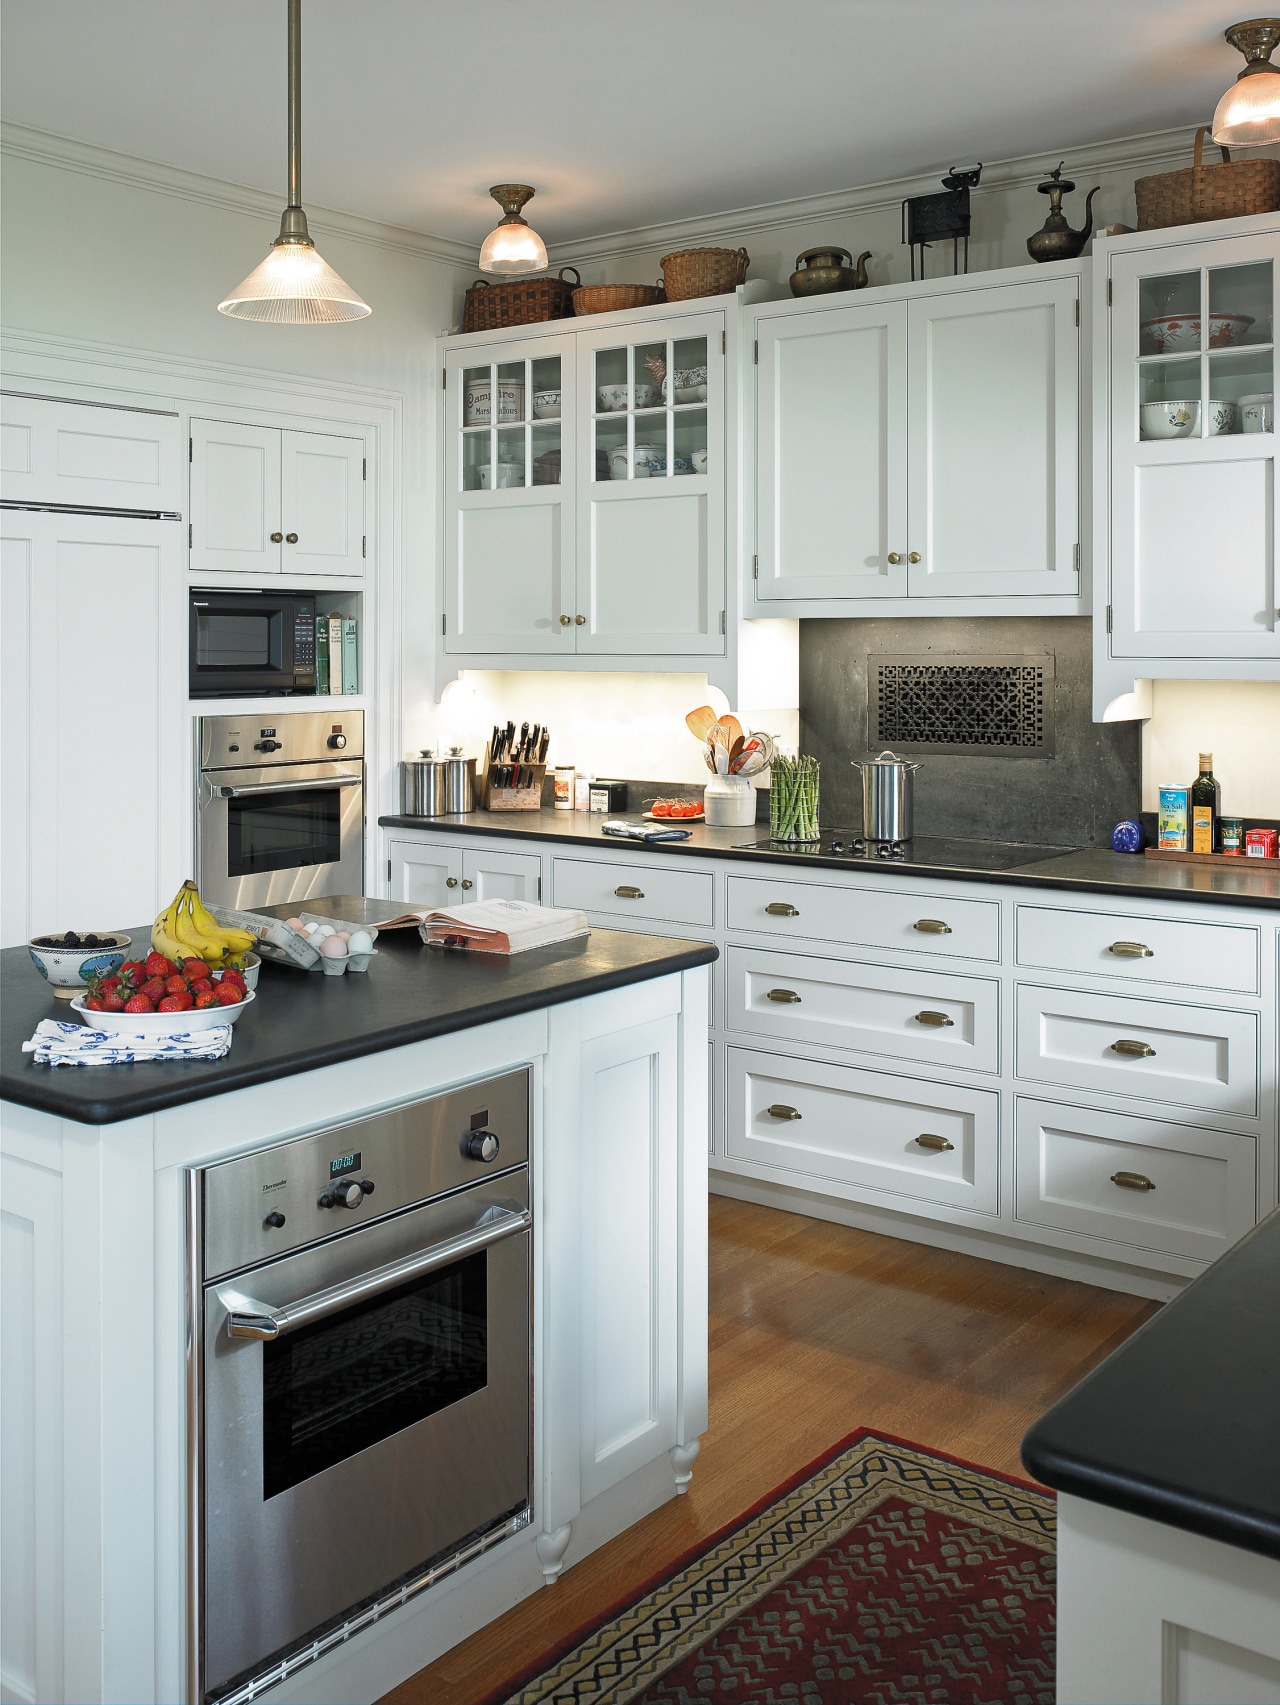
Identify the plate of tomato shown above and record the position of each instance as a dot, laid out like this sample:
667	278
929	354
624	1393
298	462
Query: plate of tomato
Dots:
667	810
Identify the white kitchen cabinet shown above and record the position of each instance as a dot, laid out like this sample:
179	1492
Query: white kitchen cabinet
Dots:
919	445
442	874
266	500
97	454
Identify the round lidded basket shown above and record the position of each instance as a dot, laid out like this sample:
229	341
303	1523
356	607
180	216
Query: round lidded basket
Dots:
609	298
703	272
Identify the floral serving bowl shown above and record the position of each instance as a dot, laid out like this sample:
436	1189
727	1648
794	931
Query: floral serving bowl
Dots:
658	465
1221	417
1170	420
614	397
546	405
67	967
160	1023
1165	334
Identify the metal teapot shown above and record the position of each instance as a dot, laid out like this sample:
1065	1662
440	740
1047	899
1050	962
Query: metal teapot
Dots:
820	270
1055	240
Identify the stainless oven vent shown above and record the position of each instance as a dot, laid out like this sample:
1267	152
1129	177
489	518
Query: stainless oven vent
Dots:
993	705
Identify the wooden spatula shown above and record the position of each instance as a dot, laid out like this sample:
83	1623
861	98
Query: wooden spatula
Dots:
730	728
700	722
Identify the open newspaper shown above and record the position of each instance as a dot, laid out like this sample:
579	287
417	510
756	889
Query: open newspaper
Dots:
501	926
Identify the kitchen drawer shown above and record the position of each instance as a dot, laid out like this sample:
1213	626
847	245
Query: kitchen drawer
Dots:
882	1009
1199	1056
842	1125
1067	1161
641	892
1202	955
908	919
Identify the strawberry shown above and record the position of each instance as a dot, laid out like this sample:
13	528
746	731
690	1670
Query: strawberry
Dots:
139	1003
153	989
132	968
112	1003
93	1004
202	986
226	994
158	966
194	968
205	998
111	985
175	985
175	1003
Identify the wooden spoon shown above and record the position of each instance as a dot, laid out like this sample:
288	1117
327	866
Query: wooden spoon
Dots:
734	753
730	727
700	722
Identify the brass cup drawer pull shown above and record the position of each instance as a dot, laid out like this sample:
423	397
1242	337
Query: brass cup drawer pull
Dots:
781	909
931	926
1133	1050
935	1020
1132	1180
1130	950
780	1110
929	1140
629	893
786	996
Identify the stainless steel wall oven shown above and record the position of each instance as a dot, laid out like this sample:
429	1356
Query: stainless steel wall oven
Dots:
360	1364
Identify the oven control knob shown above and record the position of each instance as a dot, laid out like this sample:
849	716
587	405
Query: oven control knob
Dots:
275	1220
337	741
346	1193
480	1145
267	745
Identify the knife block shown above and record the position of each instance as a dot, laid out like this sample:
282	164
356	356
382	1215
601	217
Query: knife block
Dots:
494	798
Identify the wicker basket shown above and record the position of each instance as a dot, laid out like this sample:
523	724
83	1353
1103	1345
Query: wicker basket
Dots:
519	301
703	272
1221	191
609	298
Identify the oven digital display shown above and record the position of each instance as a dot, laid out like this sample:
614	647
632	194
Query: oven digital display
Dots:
344	1163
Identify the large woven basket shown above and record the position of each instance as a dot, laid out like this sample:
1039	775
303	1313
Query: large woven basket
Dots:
519	301
609	298
1218	191
703	272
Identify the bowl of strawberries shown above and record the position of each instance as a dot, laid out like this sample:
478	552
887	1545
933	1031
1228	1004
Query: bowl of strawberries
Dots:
158	996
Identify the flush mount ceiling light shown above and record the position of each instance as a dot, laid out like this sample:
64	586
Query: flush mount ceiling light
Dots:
1248	114
293	286
512	246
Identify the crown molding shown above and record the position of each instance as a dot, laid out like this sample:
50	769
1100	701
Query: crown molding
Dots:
64	152
1160	150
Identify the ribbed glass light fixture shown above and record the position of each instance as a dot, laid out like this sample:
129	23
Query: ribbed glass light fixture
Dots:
1248	115
294	286
512	245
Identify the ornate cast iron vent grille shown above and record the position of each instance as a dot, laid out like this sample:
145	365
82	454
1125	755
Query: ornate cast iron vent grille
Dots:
963	704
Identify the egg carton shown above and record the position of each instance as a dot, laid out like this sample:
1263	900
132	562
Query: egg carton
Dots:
333	966
277	943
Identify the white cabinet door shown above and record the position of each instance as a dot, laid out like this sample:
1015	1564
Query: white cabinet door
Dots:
322	503
502	876
993	402
84	453
1193	518
832	454
650	535
509	499
235	498
425	874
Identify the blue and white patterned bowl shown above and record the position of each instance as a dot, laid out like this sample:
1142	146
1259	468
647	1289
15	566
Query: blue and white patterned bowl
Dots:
68	969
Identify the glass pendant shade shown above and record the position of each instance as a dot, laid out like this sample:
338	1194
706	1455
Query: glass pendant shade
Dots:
1248	115
512	246
294	287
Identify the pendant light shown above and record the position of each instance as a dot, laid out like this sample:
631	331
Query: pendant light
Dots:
293	286
1248	115
512	246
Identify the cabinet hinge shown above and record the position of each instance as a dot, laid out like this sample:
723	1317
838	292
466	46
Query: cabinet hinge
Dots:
539	888
388	870
190	535
724	621
444	624
191	449
1108	618
1077	557
724	343
755	568
1108	293
444	378
364	544
364	460
1077	310
755	354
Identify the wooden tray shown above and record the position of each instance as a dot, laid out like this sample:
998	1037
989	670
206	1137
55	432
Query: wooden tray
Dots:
1234	860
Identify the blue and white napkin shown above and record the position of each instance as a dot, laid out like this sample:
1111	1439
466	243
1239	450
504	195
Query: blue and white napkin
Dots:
58	1044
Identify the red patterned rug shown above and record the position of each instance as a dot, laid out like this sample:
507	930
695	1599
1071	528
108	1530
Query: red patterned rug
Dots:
882	1575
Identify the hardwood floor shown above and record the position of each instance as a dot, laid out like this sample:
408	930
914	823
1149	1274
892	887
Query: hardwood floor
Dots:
816	1330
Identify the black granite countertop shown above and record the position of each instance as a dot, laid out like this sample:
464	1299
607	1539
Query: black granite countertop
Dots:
1181	1423
302	1019
1085	870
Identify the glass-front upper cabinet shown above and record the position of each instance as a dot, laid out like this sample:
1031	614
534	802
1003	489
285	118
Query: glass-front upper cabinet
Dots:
649	409
1192	500
511	423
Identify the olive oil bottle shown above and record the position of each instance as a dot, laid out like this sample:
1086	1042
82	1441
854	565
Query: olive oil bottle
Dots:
1206	801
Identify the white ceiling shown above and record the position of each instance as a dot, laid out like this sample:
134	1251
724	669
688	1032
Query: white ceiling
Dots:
622	113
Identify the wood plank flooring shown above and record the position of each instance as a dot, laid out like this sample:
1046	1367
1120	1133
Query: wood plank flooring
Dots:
816	1330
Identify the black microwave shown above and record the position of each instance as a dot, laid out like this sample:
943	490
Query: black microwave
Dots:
244	644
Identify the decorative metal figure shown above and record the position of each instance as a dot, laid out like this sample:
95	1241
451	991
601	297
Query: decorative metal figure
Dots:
927	219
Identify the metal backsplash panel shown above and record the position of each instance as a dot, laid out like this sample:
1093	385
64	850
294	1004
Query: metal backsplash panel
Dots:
1068	790
922	703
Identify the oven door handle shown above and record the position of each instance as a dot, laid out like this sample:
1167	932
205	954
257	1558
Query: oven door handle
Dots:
249	1318
218	791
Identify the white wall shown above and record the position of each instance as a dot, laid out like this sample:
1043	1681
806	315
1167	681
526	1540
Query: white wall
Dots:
1238	721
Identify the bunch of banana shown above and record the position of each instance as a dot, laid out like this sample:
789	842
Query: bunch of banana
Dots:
188	929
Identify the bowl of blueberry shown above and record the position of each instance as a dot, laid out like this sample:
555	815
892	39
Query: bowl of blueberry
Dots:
67	961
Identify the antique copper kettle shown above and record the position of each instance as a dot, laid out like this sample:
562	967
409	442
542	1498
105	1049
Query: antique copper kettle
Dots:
1055	240
820	270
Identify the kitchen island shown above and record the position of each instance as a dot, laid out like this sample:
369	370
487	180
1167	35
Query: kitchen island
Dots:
106	1464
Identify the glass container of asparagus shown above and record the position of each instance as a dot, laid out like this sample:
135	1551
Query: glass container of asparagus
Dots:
793	799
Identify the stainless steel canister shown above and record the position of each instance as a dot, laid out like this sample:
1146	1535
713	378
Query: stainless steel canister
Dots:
424	785
887	784
460	781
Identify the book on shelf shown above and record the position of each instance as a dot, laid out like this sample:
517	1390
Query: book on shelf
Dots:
350	655
322	654
493	926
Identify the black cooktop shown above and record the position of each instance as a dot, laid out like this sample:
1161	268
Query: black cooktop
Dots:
943	852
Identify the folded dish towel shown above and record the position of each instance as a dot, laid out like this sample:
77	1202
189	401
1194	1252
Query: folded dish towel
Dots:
57	1044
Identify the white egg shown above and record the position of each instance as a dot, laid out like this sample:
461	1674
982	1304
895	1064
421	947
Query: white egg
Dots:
332	947
360	941
297	923
324	931
311	928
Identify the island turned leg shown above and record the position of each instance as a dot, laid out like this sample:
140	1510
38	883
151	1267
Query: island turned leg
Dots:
551	1548
682	1459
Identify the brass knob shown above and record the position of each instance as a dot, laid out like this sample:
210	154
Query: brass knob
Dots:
780	1110
566	621
931	926
1130	950
935	1020
781	909
451	881
1133	1050
895	556
1132	1180
629	893
786	996
913	556
291	538
579	620
467	882
928	1140
277	538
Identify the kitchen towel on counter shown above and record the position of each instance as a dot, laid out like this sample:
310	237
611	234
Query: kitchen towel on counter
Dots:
502	926
58	1044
